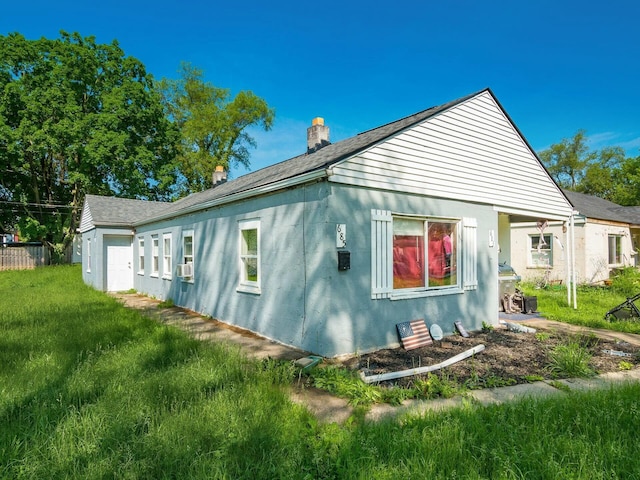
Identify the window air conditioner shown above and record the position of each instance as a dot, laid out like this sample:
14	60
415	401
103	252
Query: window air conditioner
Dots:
185	270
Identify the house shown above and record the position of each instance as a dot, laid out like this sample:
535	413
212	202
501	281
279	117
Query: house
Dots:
329	250
607	236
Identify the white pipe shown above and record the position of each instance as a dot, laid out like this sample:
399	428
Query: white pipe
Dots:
573	261
417	371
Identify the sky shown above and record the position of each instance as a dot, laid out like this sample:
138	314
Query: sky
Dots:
556	66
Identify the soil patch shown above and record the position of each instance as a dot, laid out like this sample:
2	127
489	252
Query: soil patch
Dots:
509	358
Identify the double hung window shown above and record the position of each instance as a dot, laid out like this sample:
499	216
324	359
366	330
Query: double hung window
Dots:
541	250
140	255
249	256
155	255
615	249
166	255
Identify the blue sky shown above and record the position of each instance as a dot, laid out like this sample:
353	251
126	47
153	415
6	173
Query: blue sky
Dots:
556	66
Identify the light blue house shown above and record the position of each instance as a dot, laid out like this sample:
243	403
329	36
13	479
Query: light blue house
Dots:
329	250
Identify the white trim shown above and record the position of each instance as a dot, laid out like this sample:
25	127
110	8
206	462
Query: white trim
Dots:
244	284
167	273
155	256
141	255
185	234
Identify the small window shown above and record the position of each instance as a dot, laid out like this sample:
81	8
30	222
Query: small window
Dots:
155	255
188	254
541	251
250	256
88	255
615	249
141	256
166	255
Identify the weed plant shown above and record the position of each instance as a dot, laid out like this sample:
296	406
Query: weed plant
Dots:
90	389
570	360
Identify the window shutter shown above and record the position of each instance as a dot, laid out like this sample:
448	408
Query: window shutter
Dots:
381	254
470	254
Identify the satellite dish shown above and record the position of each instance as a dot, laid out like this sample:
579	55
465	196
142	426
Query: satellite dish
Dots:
436	332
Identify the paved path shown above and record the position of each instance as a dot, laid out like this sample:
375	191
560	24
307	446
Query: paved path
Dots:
333	409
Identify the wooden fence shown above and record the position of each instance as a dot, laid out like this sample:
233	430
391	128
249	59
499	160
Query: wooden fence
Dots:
23	256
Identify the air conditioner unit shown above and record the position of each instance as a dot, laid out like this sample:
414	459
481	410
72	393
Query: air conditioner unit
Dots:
185	270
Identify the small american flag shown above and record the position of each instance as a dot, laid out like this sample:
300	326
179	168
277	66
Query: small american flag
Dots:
414	334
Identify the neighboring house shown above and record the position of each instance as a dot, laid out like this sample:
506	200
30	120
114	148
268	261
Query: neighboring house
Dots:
329	250
606	238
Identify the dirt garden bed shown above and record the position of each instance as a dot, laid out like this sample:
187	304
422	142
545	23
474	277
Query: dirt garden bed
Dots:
509	358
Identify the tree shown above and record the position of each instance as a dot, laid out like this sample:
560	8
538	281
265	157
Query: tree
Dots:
77	117
568	160
213	127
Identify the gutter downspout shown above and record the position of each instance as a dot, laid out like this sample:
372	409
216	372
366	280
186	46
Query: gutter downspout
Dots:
573	260
569	260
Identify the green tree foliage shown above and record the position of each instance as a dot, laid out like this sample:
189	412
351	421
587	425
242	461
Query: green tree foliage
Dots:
76	117
568	160
605	173
213	126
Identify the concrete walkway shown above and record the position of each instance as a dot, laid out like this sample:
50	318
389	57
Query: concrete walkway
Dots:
329	408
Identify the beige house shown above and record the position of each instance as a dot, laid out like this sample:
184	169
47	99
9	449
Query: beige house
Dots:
607	236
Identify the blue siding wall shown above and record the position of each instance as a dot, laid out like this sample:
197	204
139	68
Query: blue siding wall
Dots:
305	300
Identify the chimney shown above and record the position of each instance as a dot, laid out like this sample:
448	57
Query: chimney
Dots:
219	175
317	135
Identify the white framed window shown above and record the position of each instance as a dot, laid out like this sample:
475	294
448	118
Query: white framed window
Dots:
615	249
415	256
166	256
541	250
188	253
140	255
249	249
88	255
155	255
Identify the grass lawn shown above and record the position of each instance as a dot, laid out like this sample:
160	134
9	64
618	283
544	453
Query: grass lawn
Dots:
89	389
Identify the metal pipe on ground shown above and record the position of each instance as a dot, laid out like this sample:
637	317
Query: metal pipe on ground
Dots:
417	371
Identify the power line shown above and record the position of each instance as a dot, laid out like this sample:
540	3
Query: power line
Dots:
43	205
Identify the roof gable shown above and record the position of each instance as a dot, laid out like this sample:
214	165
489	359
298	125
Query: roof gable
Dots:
470	151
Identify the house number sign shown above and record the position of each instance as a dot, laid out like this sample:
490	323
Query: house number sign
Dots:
341	235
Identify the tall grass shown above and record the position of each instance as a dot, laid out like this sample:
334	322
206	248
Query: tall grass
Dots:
89	389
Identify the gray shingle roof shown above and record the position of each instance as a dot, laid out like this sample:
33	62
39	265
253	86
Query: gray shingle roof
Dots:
116	211
121	211
601	209
306	163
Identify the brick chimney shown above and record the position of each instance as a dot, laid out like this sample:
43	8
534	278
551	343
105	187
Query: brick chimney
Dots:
317	135
219	175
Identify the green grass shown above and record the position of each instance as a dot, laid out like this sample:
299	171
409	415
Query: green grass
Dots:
593	302
89	389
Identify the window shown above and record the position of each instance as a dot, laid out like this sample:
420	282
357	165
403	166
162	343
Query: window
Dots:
541	250
141	256
615	249
155	255
88	255
188	253
166	255
424	254
250	256
417	256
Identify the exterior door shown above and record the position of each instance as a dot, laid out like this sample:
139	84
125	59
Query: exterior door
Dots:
119	259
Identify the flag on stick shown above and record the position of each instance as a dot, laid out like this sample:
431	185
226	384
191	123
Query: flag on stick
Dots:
414	334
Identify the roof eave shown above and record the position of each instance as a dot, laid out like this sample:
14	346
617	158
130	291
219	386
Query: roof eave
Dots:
245	194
